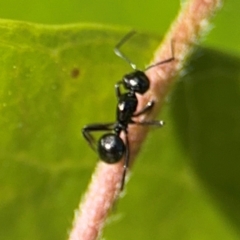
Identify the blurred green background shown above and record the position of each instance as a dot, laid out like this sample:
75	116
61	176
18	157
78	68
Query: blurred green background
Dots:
191	190
154	16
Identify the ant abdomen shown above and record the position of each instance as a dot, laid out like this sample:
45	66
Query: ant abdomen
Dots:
111	148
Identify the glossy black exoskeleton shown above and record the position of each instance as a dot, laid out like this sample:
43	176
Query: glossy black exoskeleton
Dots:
110	147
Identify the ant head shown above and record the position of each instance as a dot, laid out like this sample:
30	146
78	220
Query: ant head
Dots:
136	81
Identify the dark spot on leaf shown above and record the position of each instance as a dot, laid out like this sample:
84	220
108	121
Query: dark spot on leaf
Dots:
75	72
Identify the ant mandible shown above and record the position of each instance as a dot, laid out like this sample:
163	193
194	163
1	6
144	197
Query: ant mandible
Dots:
110	147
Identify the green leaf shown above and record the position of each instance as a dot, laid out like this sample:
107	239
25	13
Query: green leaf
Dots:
54	80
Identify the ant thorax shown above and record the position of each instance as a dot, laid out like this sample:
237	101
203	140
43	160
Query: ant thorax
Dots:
127	105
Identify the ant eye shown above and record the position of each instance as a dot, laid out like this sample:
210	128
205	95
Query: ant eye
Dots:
133	82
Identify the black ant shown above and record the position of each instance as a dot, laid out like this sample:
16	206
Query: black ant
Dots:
110	147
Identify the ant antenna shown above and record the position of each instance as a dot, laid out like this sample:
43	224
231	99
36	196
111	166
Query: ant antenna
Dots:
124	57
120	54
164	61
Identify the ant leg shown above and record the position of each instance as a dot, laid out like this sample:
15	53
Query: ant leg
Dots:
120	54
86	131
156	123
126	162
147	108
164	61
117	89
127	153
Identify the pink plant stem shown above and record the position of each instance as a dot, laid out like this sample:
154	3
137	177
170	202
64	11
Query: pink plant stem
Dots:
186	31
